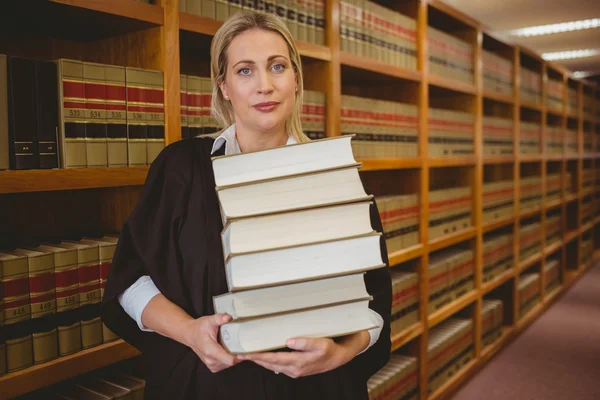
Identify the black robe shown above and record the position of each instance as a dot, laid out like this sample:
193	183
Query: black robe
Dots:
173	235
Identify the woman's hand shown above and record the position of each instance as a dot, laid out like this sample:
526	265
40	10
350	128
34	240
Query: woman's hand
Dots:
312	355
201	336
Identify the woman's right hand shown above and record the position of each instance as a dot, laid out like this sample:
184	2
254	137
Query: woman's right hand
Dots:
201	336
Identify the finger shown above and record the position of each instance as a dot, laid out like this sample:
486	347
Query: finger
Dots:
280	358
308	344
292	372
217	353
219	319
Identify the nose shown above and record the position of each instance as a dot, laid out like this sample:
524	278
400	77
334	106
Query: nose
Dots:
264	84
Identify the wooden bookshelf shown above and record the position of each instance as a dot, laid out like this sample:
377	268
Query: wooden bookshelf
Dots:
159	37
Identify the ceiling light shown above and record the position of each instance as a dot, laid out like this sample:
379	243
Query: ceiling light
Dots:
567	55
556	28
585	74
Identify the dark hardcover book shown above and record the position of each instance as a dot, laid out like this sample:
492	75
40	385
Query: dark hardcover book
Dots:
46	85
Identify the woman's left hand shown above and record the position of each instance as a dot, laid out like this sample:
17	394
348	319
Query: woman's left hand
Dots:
312	355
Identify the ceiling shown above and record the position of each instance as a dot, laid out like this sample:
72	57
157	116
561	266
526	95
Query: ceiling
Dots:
500	16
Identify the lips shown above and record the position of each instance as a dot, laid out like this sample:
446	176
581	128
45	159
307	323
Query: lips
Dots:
266	106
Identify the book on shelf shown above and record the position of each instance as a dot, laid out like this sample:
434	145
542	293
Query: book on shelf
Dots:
530	138
405	300
449	56
529	292
492	314
398	379
400	218
530	240
497	136
497	255
530	88
498	200
497	73
449	211
450	276
451	133
302	274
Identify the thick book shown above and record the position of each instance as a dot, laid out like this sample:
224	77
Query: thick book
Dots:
72	126
303	263
293	297
257	335
295	228
47	104
3	113
292	193
283	161
135	385
106	389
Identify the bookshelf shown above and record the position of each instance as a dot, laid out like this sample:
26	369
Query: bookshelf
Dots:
160	37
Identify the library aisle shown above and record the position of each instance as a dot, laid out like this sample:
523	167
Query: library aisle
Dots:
558	357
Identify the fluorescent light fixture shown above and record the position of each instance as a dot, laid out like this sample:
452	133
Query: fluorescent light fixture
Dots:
556	28
567	55
585	74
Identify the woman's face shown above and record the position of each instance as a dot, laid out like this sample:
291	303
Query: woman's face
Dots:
260	81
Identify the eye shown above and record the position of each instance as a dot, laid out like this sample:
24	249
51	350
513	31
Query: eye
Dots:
278	67
244	71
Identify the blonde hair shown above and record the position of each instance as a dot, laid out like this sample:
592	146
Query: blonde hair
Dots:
237	24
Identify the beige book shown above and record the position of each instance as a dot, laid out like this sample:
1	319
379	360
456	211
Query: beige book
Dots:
135	385
155	115
106	389
191	6
72	114
137	133
209	9
95	115
116	116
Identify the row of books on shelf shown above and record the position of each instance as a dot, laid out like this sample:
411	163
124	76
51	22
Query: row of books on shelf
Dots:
497	73
530	240
450	276
400	219
50	298
449	211
450	132
497	255
497	136
530	89
498	200
370	30
572	100
586	249
73	114
405	300
449	56
560	140
305	19
398	379
554	94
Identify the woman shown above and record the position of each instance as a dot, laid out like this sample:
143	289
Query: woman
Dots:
168	264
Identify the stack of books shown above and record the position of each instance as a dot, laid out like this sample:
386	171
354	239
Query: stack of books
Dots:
450	276
553	187
552	274
398	379
553	227
305	282
498	200
492	315
530	89
497	136
497	74
450	348
370	30
554	95
400	218
382	129
530	240
570	144
449	211
531	193
405	300
498	255
450	133
529	138
52	294
449	56
529	292
554	140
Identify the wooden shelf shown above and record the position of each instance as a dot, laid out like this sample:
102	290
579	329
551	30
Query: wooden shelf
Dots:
407	254
67	179
555	157
498	160
452	239
526	158
379	164
455	381
552	248
526	320
571	235
39	376
554	204
451	161
449	84
368	64
587	227
531	106
529	261
452	308
407	335
498	97
498	281
530	213
549	298
491	350
498	224
133	10
570	198
555	112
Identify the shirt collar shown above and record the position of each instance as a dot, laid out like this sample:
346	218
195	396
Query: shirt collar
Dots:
232	146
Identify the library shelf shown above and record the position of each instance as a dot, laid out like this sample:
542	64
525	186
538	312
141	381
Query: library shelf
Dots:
531	212
379	164
590	156
452	12
570	198
368	64
555	157
555	112
531	316
571	156
498	224
587	227
489	160
449	84
528	158
498	97
407	335
571	235
130	9
445	312
550	249
38	376
398	257
491	350
451	161
452	239
41	180
571	115
455	381
553	204
532	106
529	261
548	298
207	26
497	281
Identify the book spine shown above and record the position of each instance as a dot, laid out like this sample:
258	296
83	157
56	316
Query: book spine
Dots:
116	116
155	114
46	83
183	99
95	114
137	133
4	152
67	303
72	114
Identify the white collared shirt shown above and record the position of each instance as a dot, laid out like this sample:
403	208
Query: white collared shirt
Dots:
135	298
